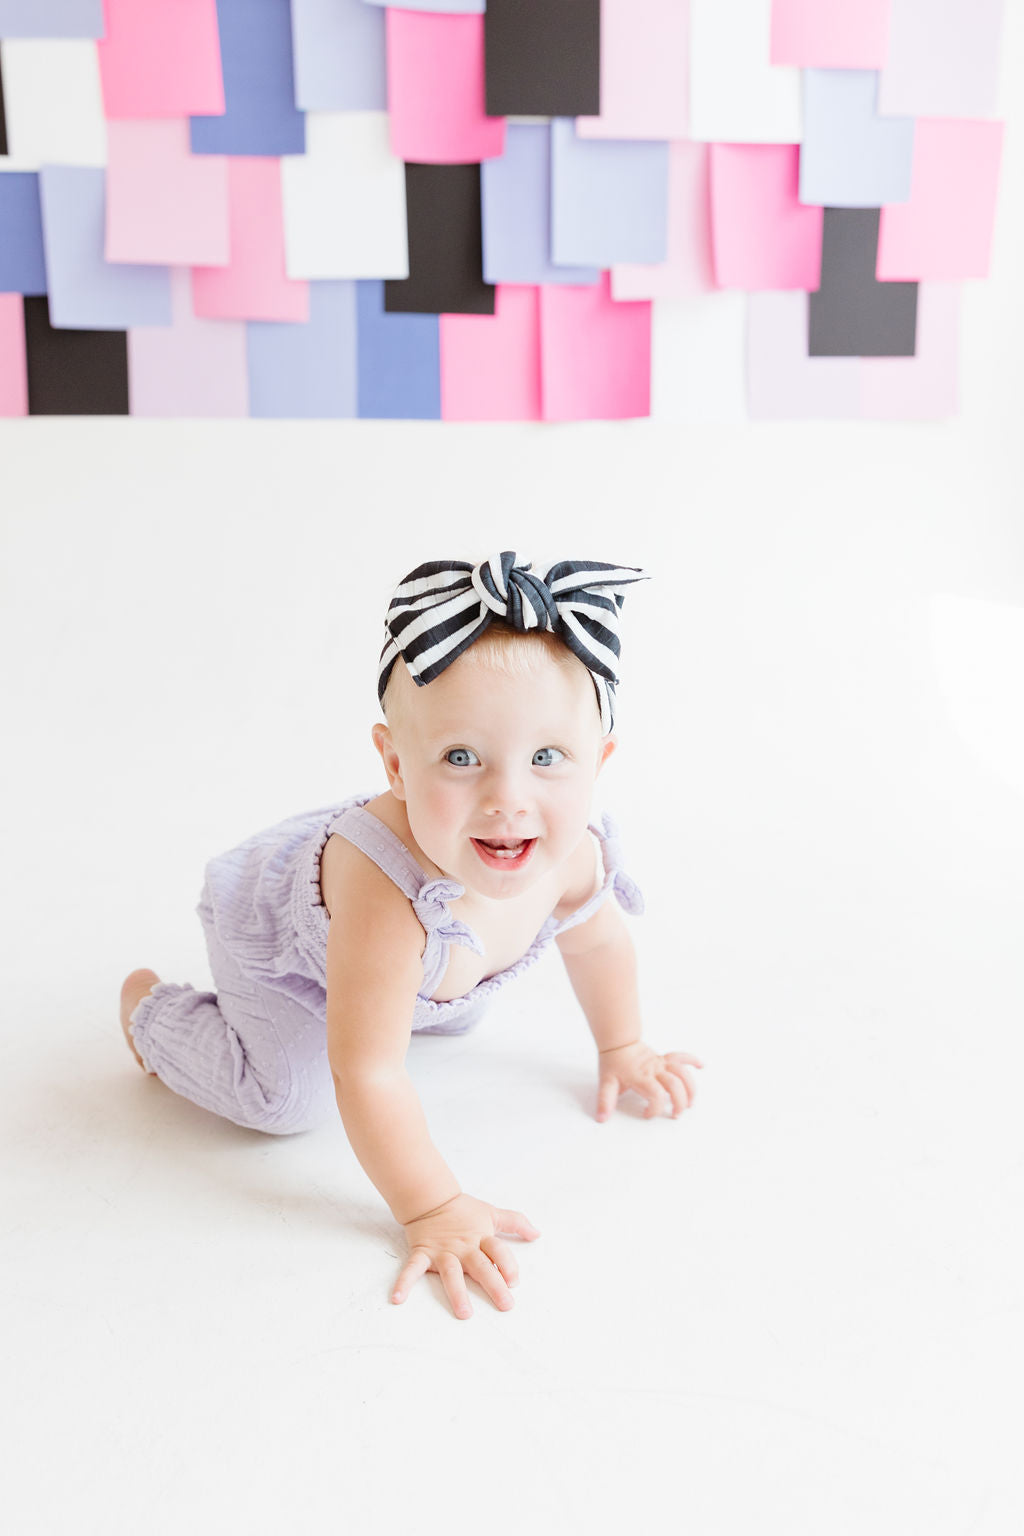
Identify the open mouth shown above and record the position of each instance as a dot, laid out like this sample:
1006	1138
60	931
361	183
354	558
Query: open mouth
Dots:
504	853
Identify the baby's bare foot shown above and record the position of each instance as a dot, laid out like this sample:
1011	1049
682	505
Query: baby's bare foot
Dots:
133	988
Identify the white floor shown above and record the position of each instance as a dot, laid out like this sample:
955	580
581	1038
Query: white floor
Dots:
795	1310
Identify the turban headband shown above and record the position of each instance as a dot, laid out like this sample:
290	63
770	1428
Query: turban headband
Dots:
441	607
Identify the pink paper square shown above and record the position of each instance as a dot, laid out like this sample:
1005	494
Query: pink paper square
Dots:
830	34
436	90
689	269
944	233
254	285
164	204
783	382
161	58
191	367
645	71
595	354
490	364
923	387
763	236
13	362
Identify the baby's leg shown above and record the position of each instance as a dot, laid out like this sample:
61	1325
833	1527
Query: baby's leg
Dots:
247	1053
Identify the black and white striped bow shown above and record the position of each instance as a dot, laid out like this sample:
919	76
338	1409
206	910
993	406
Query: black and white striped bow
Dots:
441	607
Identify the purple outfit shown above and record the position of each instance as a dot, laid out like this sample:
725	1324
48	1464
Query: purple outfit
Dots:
255	1051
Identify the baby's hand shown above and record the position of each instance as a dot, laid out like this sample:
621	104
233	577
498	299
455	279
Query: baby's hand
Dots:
658	1079
451	1241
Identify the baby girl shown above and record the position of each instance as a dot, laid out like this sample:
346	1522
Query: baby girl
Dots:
337	933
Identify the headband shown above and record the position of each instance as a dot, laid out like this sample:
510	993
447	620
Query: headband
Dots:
441	607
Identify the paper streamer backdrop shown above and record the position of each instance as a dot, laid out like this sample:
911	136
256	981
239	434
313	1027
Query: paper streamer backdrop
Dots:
301	208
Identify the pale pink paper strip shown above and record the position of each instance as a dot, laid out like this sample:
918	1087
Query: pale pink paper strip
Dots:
161	58
830	34
943	58
13	368
254	286
436	90
164	204
763	236
645	71
190	368
944	232
783	382
924	387
490	364
688	270
595	354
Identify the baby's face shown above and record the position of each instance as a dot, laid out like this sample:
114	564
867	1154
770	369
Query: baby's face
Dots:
480	757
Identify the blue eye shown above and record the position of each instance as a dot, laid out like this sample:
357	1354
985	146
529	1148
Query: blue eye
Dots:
458	756
540	753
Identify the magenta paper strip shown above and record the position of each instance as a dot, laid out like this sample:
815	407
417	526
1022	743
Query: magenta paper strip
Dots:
645	71
944	233
254	286
13	366
161	59
783	382
190	368
831	34
763	236
689	269
436	90
943	58
923	387
490	364
164	204
595	354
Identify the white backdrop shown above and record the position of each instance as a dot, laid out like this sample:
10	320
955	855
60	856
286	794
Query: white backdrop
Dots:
818	1271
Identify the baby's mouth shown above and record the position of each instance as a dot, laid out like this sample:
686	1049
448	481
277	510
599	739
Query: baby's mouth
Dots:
505	850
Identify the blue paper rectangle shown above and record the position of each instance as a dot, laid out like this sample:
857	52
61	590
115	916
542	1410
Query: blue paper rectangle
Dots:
260	116
22	264
609	199
340	59
516	202
306	370
87	292
850	157
51	18
399	365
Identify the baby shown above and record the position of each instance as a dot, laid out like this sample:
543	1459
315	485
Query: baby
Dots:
336	934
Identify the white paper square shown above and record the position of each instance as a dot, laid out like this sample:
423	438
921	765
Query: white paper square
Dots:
737	96
53	103
344	200
698	358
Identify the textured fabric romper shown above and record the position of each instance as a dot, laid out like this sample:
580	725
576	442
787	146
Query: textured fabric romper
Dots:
255	1051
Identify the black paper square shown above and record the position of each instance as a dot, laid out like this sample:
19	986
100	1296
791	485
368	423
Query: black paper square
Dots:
74	373
543	58
446	256
852	314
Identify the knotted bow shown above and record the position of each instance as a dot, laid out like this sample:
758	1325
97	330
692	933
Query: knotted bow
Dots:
431	907
441	607
627	892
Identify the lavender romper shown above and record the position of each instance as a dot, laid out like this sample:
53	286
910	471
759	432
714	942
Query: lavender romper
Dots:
255	1051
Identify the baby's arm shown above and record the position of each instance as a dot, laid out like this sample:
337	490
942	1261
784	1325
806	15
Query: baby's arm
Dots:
374	970
601	964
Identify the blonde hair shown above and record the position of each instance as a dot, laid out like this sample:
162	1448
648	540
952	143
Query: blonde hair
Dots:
512	652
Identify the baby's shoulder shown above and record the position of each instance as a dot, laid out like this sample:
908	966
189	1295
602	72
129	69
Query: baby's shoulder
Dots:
360	895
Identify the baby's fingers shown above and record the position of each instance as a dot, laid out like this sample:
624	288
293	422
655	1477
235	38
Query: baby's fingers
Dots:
607	1097
514	1222
418	1264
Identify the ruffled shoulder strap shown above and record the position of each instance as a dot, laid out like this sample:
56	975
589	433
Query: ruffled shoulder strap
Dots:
627	892
429	896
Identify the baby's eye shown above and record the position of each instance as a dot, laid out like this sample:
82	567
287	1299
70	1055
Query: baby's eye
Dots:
459	757
549	762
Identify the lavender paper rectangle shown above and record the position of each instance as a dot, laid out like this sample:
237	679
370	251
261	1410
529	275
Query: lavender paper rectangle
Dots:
850	156
22	263
609	199
516	202
340	59
87	292
51	18
399	367
310	369
261	117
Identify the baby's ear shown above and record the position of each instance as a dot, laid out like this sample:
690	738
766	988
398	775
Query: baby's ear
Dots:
385	745
606	749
